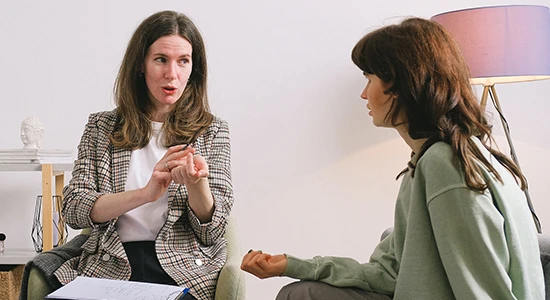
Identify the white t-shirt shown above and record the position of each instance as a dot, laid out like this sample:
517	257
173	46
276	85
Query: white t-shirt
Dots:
143	223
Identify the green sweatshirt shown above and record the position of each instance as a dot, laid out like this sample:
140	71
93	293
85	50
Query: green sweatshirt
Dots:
449	242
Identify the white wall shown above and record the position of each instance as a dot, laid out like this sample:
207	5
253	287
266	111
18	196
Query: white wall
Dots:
312	176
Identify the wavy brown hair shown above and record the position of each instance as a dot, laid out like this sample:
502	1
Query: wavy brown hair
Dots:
190	115
430	79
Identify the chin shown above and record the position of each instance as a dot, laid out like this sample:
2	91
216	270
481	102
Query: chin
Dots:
168	100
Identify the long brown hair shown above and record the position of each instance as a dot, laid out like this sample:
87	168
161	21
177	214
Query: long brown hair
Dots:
430	79
191	113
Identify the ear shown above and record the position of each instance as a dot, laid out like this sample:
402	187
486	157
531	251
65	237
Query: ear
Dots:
141	71
391	95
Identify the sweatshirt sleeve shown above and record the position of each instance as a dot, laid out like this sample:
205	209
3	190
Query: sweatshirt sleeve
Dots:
378	275
470	237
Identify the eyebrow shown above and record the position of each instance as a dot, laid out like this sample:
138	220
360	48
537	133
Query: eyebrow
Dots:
163	54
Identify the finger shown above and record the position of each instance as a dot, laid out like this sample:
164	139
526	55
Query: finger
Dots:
178	155
177	152
168	165
201	167
173	149
190	165
164	165
249	257
263	261
264	269
254	260
185	152
246	259
187	146
176	163
253	269
162	178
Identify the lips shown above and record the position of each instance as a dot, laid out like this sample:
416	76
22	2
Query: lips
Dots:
169	90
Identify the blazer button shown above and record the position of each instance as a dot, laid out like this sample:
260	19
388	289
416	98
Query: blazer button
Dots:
106	257
198	262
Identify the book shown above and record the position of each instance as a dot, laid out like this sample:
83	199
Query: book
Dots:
44	156
35	152
88	288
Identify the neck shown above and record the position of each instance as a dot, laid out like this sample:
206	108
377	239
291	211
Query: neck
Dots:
159	115
415	145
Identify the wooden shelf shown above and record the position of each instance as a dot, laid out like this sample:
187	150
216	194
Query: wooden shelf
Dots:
49	172
34	167
16	256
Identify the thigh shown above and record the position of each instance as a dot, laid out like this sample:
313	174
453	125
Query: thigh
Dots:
188	297
144	262
314	290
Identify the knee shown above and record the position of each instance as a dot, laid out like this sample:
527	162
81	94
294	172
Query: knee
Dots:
300	290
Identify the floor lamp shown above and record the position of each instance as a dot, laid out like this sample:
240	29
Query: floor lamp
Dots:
503	44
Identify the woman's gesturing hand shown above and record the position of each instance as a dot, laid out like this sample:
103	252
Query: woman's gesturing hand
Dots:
162	176
264	265
190	170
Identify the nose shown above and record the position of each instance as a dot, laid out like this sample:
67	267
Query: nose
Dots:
364	94
171	71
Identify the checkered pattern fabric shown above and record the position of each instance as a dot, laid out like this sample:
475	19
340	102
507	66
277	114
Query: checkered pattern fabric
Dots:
102	169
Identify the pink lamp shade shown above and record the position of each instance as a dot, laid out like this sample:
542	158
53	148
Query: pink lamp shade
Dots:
502	43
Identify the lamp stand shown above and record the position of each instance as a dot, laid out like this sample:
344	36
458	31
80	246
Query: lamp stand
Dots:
483	103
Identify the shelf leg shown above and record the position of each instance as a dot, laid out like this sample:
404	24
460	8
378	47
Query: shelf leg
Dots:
47	224
59	183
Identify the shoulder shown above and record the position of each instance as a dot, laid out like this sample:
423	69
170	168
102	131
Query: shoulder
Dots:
439	155
219	122
104	116
104	119
216	136
439	170
217	126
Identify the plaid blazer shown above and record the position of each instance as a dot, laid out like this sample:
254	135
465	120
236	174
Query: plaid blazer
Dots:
190	252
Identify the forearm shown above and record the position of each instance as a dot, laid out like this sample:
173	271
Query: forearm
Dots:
378	275
342	272
217	188
201	201
110	206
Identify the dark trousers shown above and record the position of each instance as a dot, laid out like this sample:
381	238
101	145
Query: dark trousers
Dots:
145	265
314	290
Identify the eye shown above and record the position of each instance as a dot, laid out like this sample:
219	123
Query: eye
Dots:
161	59
184	61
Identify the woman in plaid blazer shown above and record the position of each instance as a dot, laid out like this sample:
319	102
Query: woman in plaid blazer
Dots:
152	178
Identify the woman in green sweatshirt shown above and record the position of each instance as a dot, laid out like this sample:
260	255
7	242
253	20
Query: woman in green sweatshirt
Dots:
462	228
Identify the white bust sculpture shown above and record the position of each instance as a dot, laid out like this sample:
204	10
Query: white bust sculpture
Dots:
31	133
